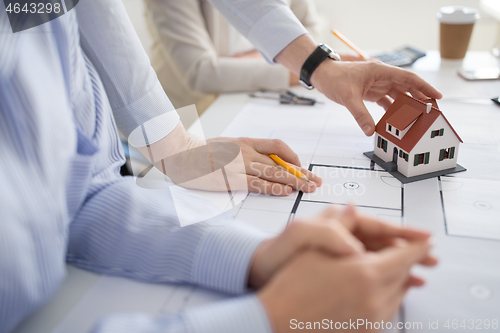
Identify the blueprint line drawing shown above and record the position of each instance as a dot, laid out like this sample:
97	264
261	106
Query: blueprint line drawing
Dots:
471	207
374	191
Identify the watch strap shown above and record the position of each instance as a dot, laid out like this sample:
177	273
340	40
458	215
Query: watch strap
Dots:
312	62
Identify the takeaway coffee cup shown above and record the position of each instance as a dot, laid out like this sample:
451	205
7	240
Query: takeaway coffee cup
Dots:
456	23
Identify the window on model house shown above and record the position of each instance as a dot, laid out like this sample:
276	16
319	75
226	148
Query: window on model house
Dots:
422	158
445	154
382	143
404	155
439	132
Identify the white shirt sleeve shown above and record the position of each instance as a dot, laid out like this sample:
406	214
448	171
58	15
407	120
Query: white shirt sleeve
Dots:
136	96
269	25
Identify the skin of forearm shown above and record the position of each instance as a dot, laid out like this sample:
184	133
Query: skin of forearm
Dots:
175	142
296	53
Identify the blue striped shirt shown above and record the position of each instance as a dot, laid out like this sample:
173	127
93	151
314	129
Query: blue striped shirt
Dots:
62	198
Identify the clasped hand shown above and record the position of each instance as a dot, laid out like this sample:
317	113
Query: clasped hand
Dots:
339	266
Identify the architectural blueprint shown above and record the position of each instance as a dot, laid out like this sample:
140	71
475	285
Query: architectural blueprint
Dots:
462	211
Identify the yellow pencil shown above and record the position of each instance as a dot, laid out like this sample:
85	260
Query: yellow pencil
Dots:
351	44
288	167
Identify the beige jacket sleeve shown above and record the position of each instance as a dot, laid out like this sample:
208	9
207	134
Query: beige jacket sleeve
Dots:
306	12
181	30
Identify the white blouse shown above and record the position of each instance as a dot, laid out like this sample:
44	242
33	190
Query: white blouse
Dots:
194	47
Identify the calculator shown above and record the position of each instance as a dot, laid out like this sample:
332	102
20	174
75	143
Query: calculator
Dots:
403	57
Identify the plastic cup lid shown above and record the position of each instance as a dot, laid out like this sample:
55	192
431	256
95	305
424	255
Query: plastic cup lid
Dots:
458	15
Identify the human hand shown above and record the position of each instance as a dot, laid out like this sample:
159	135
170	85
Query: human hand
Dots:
368	286
294	79
263	175
349	83
333	233
190	163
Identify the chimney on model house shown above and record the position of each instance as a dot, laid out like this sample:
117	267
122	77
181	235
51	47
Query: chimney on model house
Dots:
429	107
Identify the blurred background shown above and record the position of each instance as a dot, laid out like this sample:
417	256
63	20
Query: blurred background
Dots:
375	25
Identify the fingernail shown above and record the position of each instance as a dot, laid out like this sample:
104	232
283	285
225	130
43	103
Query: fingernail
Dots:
431	241
288	190
367	130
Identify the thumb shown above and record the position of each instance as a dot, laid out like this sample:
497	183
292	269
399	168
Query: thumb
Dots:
360	113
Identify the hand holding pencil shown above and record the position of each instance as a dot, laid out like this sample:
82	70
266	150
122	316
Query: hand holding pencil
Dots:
288	167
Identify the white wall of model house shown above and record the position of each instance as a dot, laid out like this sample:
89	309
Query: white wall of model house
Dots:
426	144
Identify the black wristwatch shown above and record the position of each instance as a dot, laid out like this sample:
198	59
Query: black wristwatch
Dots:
322	52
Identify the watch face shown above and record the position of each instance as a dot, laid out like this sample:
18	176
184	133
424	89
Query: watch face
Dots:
331	53
327	48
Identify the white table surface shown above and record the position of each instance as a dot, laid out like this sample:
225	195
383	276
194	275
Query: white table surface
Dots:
441	73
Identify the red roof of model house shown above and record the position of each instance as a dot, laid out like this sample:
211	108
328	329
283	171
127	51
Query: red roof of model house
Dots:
402	113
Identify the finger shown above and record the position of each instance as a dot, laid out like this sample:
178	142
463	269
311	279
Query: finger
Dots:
349	218
261	158
262	186
417	94
392	303
277	174
385	102
376	244
429	261
394	93
395	294
361	115
332	239
394	298
266	160
379	244
374	228
395	290
311	176
396	261
331	212
415	281
377	235
278	147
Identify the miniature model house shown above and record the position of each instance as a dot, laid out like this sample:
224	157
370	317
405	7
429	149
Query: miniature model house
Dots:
415	138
